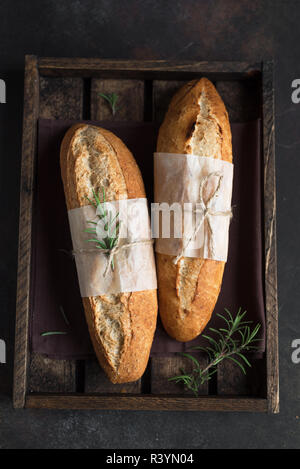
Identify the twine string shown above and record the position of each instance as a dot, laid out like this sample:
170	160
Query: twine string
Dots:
207	211
112	252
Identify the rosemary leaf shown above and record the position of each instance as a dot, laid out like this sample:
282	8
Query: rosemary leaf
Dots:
44	334
101	245
92	203
111	98
193	359
244	358
238	363
230	345
64	315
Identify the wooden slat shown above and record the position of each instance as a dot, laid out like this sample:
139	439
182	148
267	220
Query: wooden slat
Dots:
163	368
60	98
231	380
270	239
130	107
146	402
31	106
48	375
147	69
130	103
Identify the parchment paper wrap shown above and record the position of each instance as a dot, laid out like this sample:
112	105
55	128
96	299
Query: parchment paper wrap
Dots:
134	267
177	179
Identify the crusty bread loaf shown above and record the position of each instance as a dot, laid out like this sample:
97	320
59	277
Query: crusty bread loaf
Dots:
196	123
121	325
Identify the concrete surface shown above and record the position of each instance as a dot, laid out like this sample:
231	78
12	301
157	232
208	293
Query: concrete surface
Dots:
190	29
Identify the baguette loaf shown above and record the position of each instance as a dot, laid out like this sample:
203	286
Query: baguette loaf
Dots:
196	123
121	325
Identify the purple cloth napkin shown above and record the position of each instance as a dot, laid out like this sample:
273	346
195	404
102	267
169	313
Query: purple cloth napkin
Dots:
55	291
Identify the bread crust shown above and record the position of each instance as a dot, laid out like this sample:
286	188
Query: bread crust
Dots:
196	123
121	326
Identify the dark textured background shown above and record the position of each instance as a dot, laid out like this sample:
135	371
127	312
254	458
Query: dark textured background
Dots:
145	29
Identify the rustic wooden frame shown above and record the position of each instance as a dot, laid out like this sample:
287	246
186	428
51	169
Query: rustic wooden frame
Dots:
145	70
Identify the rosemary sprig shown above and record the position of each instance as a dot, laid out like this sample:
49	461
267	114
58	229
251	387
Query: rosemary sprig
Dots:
111	98
229	343
111	226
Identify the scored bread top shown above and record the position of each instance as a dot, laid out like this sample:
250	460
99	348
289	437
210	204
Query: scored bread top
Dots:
82	169
121	325
196	123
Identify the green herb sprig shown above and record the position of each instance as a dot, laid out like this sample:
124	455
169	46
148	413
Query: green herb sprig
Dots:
111	226
112	99
230	342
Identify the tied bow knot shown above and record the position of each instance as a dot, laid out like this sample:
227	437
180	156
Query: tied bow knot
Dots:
113	251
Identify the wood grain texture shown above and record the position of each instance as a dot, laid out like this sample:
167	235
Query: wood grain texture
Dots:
146	402
163	368
130	103
60	98
270	239
232	382
49	375
31	106
147	69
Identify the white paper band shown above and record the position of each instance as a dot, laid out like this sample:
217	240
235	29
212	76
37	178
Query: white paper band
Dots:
200	188
134	267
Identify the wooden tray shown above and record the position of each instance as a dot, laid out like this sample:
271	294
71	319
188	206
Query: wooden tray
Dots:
65	88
